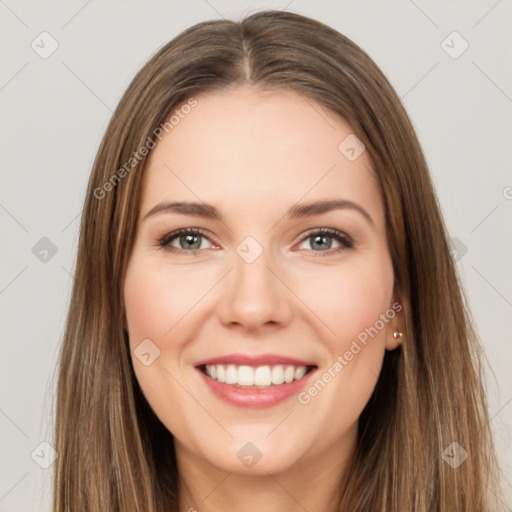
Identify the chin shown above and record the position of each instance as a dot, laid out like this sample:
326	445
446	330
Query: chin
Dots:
255	455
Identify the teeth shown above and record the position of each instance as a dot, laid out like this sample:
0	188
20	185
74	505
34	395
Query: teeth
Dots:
300	372
231	374
289	373
261	376
277	375
245	376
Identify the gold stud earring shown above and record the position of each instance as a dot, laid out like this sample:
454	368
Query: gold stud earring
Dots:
397	334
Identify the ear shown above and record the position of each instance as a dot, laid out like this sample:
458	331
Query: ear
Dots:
395	328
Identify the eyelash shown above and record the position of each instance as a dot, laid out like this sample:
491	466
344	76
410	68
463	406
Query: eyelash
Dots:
345	241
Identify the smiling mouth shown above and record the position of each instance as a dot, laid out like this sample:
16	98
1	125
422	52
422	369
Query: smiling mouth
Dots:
255	377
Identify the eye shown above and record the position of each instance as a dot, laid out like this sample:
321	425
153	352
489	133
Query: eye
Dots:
321	240
186	240
194	240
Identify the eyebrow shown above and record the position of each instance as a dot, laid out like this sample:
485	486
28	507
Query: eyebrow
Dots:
295	212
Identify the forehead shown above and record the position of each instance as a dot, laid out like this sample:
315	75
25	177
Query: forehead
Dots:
244	146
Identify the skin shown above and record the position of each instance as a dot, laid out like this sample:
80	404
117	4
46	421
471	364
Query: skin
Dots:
253	155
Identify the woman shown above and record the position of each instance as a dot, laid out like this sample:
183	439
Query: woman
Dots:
265	312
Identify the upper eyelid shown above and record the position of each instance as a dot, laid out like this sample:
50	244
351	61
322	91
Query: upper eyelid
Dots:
332	231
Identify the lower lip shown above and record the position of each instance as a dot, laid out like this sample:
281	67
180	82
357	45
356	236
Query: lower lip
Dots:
253	398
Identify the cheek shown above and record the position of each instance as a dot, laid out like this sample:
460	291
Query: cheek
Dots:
351	303
348	300
159	304
158	298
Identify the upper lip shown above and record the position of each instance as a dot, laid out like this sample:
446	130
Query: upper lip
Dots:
255	360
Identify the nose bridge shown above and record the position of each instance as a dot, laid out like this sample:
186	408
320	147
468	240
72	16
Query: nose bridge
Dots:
254	296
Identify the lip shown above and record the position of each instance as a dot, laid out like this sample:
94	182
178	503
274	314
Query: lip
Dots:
254	398
255	360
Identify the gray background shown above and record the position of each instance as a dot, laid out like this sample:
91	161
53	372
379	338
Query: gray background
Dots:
54	113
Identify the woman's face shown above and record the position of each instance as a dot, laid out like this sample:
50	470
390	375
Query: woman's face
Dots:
256	293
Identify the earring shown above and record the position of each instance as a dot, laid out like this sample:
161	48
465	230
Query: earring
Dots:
397	334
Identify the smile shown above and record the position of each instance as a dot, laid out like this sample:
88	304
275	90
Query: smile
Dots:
260	376
255	381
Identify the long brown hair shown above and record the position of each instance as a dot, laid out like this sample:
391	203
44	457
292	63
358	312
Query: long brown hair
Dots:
114	454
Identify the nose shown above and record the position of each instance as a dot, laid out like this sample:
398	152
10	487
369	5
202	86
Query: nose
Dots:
255	295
